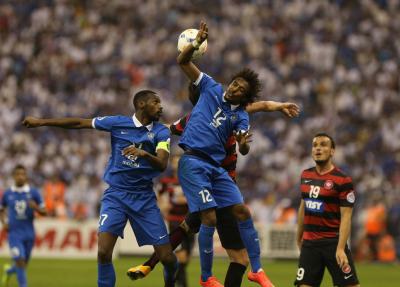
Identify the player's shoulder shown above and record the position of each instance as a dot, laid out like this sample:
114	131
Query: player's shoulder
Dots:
339	173
160	128
308	171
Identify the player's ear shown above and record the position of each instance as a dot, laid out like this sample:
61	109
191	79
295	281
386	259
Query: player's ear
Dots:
141	104
332	151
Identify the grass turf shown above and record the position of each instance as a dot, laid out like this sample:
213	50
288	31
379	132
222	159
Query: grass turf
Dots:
82	273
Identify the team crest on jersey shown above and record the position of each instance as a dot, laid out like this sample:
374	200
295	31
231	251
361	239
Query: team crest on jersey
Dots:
328	184
233	117
150	135
351	197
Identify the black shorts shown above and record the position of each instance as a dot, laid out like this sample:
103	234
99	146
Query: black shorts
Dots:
187	242
315	256
227	227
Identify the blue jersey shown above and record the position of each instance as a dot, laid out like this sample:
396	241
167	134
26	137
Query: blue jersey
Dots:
131	174
212	121
20	215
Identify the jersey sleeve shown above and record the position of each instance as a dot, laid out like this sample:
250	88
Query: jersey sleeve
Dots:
163	139
243	123
205	82
105	123
37	197
177	127
347	195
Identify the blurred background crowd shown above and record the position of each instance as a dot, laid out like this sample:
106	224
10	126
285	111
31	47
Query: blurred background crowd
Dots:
339	60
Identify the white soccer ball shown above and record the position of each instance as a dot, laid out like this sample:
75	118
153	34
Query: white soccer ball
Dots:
186	38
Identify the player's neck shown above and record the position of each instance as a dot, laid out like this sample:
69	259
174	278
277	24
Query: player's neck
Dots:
324	168
144	120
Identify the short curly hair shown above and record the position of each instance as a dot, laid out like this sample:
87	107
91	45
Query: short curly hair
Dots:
255	86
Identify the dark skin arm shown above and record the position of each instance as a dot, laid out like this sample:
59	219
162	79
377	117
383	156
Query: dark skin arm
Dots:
288	109
3	219
243	139
184	58
41	210
66	123
159	161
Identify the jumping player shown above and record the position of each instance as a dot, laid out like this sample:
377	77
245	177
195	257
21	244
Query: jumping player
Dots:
140	151
227	227
324	220
205	183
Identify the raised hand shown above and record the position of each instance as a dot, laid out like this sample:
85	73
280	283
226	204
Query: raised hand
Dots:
243	138
202	35
290	109
31	122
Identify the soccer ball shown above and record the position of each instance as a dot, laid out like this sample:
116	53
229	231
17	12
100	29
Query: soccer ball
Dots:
186	38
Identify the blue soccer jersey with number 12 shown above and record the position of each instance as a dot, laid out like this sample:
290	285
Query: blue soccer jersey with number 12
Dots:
212	121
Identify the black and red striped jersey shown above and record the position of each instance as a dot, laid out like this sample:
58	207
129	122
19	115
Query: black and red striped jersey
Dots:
323	196
230	160
177	200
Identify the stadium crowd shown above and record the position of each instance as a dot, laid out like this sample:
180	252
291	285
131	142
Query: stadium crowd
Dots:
339	60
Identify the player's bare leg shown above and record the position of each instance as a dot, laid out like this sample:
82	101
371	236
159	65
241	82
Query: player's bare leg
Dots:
175	237
168	259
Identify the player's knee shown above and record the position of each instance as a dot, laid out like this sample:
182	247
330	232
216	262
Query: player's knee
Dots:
167	257
104	255
239	256
241	212
208	217
20	263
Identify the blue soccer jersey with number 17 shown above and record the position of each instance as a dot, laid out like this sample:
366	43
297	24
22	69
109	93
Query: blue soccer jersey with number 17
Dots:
131	174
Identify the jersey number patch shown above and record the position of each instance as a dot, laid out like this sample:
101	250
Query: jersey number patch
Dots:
218	118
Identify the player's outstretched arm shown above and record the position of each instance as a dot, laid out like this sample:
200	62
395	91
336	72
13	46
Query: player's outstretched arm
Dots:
289	109
66	123
184	58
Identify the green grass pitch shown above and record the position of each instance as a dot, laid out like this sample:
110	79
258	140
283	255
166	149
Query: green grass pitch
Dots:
82	273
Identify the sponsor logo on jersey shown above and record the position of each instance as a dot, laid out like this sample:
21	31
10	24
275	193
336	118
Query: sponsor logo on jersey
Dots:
314	205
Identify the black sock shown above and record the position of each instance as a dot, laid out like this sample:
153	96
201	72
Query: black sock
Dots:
181	280
234	275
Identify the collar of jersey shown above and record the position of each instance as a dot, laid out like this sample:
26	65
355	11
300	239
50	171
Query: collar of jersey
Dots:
232	106
138	124
24	188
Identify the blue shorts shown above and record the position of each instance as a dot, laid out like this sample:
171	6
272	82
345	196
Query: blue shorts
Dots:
140	208
206	185
20	248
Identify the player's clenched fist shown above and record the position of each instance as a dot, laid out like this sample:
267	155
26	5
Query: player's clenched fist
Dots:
31	122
